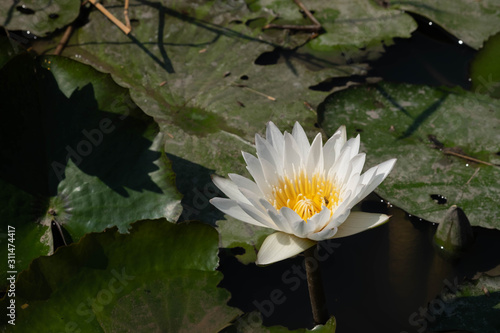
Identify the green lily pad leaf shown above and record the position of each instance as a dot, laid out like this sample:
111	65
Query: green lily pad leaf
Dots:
237	234
252	322
475	307
348	25
38	17
77	153
93	287
485	68
436	135
9	48
473	22
211	84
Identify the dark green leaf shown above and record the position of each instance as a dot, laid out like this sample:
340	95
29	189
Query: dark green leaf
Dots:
485	69
37	17
76	151
112	282
425	128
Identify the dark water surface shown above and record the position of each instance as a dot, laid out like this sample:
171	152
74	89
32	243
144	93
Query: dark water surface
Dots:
375	281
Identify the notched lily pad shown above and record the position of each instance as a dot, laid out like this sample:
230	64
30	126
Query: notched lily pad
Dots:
37	17
475	307
94	287
252	322
485	68
77	150
473	22
446	142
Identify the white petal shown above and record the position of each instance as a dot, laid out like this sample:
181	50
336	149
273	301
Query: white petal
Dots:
326	233
229	188
354	145
255	169
381	172
358	222
314	162
257	215
332	147
275	138
357	163
318	221
341	167
298	225
270	172
352	186
343	134
342	211
301	138
267	152
280	246
281	222
292	158
231	208
246	183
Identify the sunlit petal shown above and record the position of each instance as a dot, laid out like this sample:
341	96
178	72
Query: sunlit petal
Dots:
301	138
358	222
279	246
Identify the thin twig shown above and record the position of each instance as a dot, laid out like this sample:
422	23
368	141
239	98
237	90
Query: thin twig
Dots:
449	152
312	28
315	284
110	16
64	40
125	14
254	91
307	12
473	175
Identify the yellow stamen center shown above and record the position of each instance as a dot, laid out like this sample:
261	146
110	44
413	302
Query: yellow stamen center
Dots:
305	195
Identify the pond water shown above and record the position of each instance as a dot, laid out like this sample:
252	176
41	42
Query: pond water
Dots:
376	281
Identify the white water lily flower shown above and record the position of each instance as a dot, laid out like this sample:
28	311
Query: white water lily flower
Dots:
304	191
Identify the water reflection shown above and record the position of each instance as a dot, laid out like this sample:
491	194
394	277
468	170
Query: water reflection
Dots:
381	280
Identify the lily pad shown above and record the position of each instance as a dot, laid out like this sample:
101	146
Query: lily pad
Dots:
75	152
237	234
485	69
37	17
474	308
348	25
10	48
437	135
252	322
473	22
93	287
